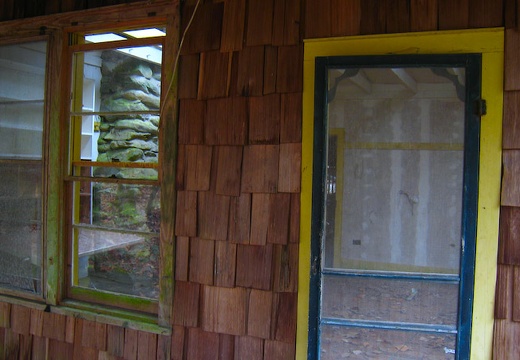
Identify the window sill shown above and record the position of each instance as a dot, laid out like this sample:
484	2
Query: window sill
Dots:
32	304
102	314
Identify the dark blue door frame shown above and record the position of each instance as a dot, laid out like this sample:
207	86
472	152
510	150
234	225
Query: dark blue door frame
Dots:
473	108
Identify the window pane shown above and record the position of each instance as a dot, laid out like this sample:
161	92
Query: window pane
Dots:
122	88
115	109
120	206
20	226
119	262
118	238
411	301
22	88
356	343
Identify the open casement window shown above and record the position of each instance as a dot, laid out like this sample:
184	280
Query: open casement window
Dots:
396	165
113	185
22	130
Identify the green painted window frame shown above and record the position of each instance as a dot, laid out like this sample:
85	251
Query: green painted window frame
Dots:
57	30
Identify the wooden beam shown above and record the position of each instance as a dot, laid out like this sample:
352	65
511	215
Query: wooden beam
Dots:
406	79
362	82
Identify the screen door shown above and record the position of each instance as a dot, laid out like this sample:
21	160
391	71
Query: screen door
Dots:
394	206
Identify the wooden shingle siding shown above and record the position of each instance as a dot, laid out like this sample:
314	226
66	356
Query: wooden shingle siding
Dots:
249	77
182	254
260	313
285	260
202	344
260	169
286	22
189	68
259	219
373	17
264	119
270	70
289	175
229	164
277	350
397	15
38	348
20	319
240	219
94	335
254	266
259	22
115	340
238	178
345	19
249	347
453	14
198	165
289	69
225	263
202	255
131	337
317	18
291	111
191	121
507	296
294	221
226	121
424	15
278	217
213	212
205	30
503	303
233	25
484	13
178	342
516	293
214	74
506	340
80	351
511	60
509	236
186	304
511	122
186	220
510	179
54	326
224	310
146	345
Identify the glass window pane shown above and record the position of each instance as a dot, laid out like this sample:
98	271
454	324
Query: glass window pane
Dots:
117	233
120	103
21	226
411	301
115	107
356	343
22	89
118	262
119	206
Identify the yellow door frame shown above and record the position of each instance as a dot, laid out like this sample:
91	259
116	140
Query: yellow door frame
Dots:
488	42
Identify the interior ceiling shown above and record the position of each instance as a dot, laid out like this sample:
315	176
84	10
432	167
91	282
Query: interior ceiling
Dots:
411	79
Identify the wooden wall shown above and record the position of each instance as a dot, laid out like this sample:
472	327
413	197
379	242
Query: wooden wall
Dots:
238	178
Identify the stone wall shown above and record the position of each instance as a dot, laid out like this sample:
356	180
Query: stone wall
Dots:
129	84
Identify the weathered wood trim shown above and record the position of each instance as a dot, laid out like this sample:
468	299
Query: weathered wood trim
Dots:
105	17
168	159
53	146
